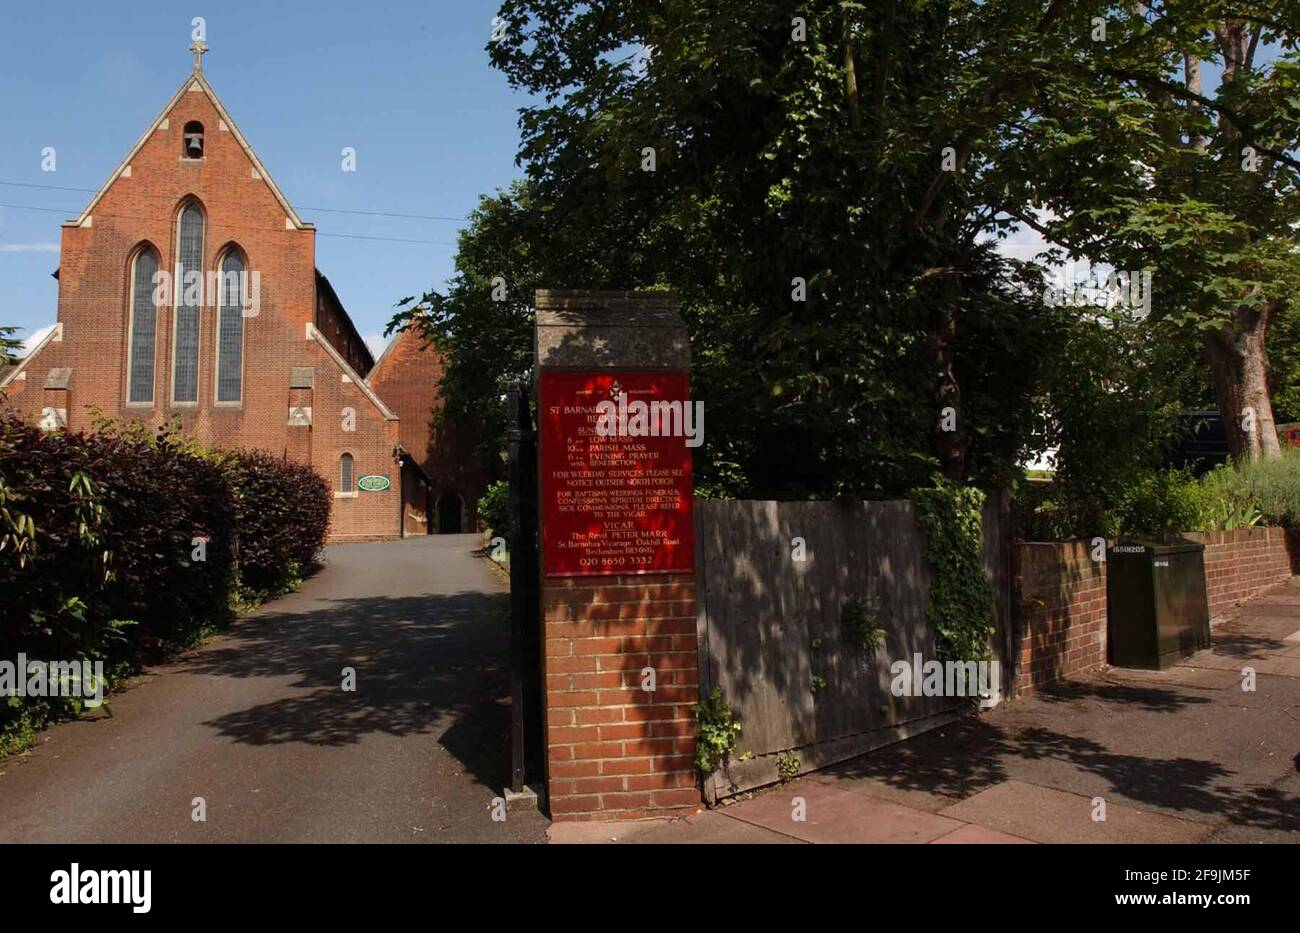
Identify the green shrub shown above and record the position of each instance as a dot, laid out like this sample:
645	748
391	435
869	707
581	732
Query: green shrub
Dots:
282	511
1223	504
117	545
1156	502
960	611
494	508
1273	486
717	730
99	536
858	617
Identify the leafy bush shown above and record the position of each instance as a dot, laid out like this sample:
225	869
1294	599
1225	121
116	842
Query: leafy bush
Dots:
100	554
494	508
960	611
1157	503
111	527
1223	504
1272	485
282	512
717	730
858	617
119	544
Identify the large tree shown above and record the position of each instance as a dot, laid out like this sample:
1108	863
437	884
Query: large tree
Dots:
1138	162
773	162
822	182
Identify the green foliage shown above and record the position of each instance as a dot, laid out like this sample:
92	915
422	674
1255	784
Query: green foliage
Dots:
1154	502
1271	486
119	545
1223	504
765	175
9	346
494	509
1112	400
818	682
282	511
717	730
961	607
787	766
1159	503
1284	363
858	617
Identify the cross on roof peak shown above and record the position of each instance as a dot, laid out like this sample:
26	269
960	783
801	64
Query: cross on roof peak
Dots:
199	48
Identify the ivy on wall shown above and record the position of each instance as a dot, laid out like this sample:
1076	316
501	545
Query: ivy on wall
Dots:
961	609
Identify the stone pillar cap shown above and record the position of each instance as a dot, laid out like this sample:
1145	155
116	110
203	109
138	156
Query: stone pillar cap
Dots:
579	329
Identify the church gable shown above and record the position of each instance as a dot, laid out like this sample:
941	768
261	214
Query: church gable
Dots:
193	143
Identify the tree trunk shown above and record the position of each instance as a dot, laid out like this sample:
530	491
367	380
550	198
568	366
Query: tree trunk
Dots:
950	439
850	70
1239	364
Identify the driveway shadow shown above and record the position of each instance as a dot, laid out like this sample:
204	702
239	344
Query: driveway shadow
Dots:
431	663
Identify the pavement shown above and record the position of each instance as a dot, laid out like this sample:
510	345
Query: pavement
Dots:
257	723
1178	756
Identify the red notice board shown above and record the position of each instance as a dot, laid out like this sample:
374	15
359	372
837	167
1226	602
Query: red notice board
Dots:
619	504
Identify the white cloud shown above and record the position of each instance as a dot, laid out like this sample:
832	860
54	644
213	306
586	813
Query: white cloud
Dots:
35	337
376	343
29	247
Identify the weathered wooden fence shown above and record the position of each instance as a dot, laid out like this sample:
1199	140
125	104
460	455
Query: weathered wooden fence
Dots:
771	634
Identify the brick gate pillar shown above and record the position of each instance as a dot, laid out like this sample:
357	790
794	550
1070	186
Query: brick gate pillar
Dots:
620	659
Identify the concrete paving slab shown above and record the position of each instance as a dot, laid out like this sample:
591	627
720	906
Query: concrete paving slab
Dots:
714	827
1044	814
915	797
595	832
970	834
833	815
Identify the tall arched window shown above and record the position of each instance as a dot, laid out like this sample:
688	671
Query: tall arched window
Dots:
230	329
345	473
144	327
189	294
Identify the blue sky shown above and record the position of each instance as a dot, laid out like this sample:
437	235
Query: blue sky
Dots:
406	84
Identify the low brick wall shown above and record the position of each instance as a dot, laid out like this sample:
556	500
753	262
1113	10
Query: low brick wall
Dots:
1061	595
1243	563
1061	592
614	750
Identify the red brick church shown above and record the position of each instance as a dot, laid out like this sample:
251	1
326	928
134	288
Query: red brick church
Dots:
188	289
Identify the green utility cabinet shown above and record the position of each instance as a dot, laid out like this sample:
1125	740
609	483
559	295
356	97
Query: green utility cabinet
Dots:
1157	610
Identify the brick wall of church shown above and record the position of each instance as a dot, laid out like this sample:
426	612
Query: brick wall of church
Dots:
406	378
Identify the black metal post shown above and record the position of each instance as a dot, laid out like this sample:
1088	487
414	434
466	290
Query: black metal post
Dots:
525	636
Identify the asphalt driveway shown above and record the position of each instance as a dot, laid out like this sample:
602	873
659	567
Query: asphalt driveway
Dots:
257	723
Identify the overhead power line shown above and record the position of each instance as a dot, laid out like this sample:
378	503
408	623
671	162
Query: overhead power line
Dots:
233	226
303	207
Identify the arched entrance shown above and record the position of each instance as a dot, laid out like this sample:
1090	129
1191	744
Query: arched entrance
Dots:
450	507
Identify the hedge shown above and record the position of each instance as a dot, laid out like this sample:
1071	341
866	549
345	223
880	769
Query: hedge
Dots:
123	543
282	513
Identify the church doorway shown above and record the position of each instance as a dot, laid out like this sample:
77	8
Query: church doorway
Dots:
450	507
